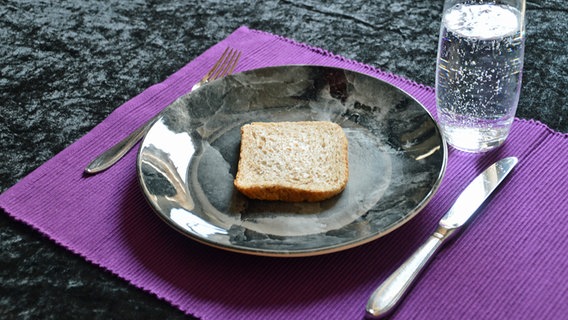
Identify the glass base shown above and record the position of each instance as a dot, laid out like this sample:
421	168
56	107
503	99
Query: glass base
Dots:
475	140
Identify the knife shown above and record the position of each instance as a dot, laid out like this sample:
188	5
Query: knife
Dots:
387	296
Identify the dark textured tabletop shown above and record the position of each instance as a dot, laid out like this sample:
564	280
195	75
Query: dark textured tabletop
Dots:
65	65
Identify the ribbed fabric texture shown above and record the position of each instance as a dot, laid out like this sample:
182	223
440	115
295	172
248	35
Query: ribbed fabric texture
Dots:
511	262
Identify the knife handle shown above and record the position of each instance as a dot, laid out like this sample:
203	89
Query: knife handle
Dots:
387	296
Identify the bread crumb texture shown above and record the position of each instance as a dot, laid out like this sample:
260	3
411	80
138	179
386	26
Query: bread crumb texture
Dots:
292	161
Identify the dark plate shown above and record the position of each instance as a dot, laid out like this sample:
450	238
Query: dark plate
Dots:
188	160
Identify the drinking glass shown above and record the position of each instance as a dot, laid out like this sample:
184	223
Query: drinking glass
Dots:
479	70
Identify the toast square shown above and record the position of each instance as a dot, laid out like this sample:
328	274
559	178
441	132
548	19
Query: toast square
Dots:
292	161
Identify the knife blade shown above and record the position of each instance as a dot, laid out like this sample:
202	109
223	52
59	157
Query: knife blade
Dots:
387	296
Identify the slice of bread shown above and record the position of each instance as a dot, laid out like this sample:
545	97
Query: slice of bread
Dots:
292	161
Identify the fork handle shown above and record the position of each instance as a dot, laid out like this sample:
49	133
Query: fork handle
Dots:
227	64
106	159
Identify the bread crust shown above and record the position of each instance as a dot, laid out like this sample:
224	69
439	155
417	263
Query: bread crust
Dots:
305	161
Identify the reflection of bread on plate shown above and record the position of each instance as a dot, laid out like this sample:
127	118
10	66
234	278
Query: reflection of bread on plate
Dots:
292	161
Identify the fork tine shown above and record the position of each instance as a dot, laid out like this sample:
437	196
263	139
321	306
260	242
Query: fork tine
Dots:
228	64
223	65
234	63
213	69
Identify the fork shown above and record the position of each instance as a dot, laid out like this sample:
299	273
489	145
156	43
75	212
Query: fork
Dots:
224	66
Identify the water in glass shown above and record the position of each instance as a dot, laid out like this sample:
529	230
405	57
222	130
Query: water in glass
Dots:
478	75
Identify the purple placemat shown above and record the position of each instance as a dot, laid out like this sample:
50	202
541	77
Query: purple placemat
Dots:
511	263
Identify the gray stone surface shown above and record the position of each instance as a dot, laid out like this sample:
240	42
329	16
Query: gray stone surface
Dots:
65	65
